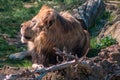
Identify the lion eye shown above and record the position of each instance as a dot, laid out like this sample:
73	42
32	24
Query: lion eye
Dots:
33	20
40	27
27	37
33	23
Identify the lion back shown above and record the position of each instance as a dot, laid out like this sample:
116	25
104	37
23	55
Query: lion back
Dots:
81	36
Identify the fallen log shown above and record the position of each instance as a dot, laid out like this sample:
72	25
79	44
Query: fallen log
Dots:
89	11
44	71
105	66
75	62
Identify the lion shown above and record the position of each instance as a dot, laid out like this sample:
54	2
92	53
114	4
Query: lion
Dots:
49	29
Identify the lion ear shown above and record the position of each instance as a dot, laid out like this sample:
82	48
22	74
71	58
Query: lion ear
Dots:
50	19
44	7
50	23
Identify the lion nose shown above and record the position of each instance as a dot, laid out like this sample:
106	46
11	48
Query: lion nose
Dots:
21	25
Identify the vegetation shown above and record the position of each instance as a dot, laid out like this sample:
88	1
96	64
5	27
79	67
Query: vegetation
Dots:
94	31
14	12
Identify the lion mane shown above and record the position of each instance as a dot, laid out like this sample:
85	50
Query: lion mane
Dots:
49	29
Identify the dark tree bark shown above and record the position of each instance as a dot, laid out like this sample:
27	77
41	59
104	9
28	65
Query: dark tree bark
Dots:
89	11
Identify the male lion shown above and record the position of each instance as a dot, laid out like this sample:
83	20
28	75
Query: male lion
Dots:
49	29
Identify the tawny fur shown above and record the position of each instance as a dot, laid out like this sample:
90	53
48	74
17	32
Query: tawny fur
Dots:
49	29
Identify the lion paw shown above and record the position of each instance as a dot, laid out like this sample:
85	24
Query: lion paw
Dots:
18	56
37	66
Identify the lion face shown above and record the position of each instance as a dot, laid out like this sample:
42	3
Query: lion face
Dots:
41	22
27	31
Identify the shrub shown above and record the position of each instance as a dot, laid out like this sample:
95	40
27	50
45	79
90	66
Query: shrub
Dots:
105	42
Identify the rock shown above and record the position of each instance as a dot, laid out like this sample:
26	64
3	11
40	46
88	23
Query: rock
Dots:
105	64
115	77
103	54
112	53
115	56
97	71
96	59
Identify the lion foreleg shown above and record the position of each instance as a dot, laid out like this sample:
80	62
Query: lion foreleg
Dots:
19	55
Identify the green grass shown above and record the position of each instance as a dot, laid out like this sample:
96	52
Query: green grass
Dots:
97	46
94	31
12	14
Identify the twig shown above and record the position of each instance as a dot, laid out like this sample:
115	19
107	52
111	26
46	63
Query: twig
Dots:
64	53
44	71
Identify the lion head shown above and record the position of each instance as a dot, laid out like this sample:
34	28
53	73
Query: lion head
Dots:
32	28
47	19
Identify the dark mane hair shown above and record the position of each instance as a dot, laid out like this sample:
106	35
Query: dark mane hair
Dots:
69	23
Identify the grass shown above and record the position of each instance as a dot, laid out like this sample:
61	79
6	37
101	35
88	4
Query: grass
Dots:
12	14
94	31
